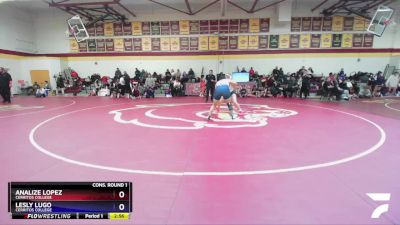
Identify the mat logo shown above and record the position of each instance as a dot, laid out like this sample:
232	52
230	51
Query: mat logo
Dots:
18	107
194	116
379	197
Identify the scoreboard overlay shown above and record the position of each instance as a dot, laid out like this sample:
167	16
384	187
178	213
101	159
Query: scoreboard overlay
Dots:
70	200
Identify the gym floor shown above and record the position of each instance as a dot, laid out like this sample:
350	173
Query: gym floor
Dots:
284	161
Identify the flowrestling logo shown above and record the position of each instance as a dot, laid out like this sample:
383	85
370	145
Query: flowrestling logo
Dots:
193	116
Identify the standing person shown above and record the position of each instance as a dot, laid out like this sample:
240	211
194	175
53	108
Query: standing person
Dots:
5	85
305	85
60	84
127	80
202	86
210	85
392	83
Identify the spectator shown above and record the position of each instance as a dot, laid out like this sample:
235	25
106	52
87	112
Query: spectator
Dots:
60	82
168	76
191	75
118	73
5	85
243	70
305	85
290	88
251	72
275	71
202	86
393	82
379	82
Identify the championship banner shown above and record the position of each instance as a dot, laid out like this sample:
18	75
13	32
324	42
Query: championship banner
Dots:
174	44
223	43
127	27
136	28
284	40
194	27
233	42
137	44
165	28
118	29
73	45
253	42
184	43
91	30
357	40
327	24
203	43
337	23
184	27
108	29
99	29
155	44
155	28
263	41
213	43
165	44
295	24
337	40
100	45
109	45
91	45
264	25
214	26
204	27
368	40
223	26
306	24
243	26
118	44
128	46
326	40
234	26
146	28
243	42
305	41
315	40
254	25
82	46
358	24
347	40
174	27
294	40
316	24
273	41
194	43
146	44
348	23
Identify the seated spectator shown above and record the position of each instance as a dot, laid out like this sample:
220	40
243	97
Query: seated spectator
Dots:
243	70
35	87
290	88
379	82
345	90
40	92
149	92
176	88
